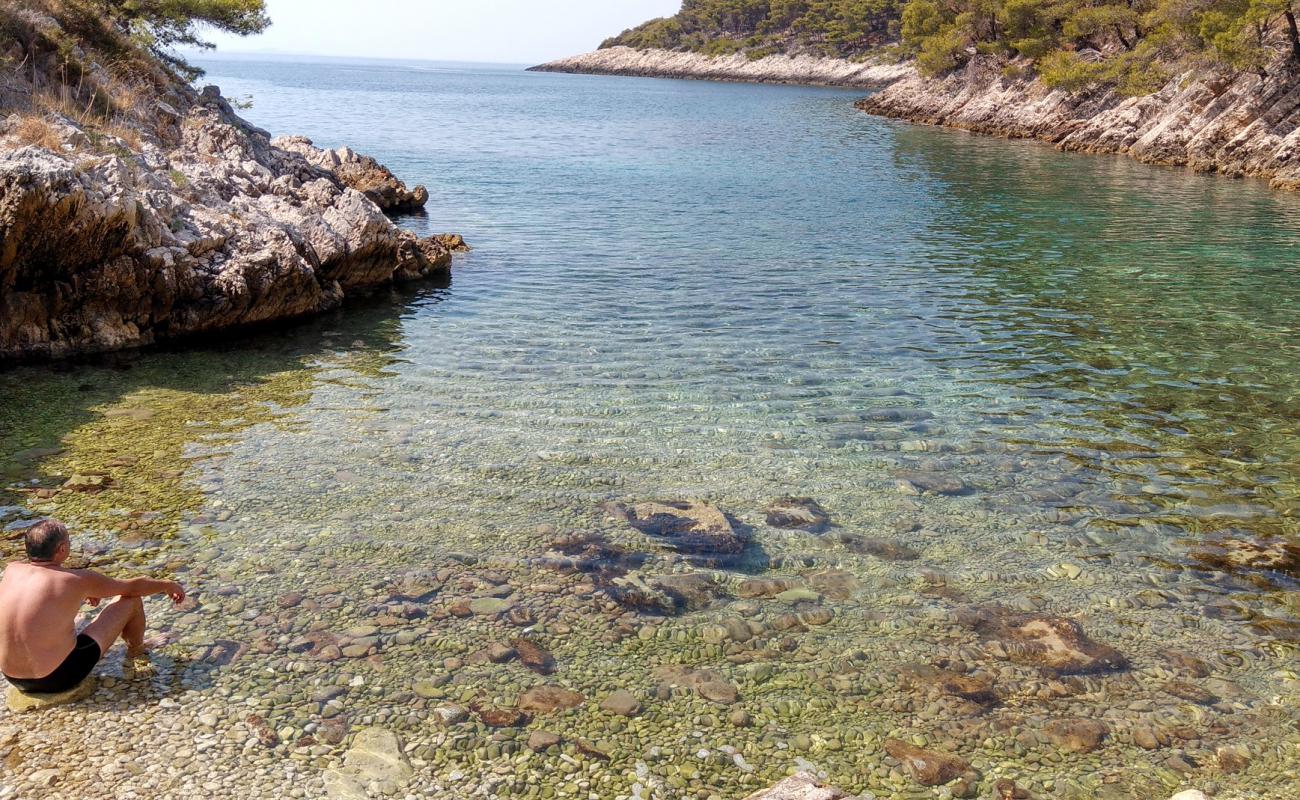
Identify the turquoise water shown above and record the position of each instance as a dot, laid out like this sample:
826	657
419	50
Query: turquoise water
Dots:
733	293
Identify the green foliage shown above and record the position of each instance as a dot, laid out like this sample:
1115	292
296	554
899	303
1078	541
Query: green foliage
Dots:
1132	46
162	25
842	28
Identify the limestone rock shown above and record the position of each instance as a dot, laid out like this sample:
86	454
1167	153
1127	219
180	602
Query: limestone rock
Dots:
1239	125
802	513
548	698
882	549
204	224
540	740
362	173
1076	735
22	703
919	482
804	786
926	767
692	528
802	69
376	755
533	655
1039	640
621	702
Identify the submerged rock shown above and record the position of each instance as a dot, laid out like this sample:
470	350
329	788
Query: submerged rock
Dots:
547	698
533	655
621	702
21	702
706	683
376	755
882	549
1038	640
1076	735
946	682
927	767
917	482
694	529
667	595
1241	553
804	786
501	717
802	513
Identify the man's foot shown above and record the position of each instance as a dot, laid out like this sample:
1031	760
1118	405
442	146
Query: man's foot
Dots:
142	650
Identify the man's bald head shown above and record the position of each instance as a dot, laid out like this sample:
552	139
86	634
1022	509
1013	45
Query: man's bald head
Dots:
44	539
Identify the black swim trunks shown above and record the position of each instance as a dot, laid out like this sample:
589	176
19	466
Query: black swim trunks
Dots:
71	672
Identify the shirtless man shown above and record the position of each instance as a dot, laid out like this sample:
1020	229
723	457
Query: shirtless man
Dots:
40	650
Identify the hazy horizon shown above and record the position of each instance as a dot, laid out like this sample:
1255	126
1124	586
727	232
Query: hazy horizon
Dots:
490	31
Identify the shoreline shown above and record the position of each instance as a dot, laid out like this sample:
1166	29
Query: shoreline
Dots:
738	68
1240	127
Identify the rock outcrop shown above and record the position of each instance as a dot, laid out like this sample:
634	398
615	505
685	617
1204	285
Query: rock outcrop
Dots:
802	69
1241	126
173	216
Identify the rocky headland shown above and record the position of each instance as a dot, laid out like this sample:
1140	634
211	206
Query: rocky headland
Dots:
807	70
1245	125
135	208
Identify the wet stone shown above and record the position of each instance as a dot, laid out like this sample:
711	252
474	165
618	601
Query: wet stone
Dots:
719	692
947	682
927	767
501	717
542	740
1039	640
499	653
1145	738
489	606
798	513
837	584
803	786
764	587
622	702
376	755
919	482
692	528
1191	693
23	703
547	698
533	656
882	549
1076	735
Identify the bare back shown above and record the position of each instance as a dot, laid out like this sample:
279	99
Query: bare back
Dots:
38	612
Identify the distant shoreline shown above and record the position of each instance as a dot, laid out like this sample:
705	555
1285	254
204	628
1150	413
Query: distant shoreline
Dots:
1242	126
778	69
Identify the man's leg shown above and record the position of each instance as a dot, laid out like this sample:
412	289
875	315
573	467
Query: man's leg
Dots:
123	618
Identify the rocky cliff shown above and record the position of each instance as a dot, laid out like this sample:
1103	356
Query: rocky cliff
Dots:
135	209
1239	126
802	69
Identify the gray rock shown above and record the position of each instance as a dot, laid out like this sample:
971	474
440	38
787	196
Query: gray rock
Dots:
805	786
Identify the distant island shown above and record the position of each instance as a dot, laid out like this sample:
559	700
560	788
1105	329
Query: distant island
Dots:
1205	86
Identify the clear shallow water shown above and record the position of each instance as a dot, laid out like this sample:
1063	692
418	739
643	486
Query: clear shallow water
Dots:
735	293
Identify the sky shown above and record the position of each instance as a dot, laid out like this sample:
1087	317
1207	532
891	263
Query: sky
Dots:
500	31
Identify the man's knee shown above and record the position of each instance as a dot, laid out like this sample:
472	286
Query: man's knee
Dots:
135	604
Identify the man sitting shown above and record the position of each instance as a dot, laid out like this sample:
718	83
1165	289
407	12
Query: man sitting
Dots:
40	650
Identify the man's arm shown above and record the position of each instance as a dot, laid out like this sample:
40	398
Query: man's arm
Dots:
95	585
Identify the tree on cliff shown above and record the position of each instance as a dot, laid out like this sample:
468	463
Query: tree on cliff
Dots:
163	25
1134	46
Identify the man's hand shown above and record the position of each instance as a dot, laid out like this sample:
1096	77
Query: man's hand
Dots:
176	592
